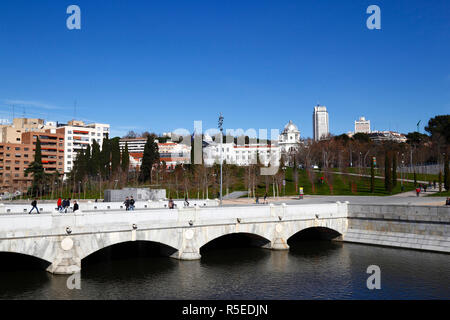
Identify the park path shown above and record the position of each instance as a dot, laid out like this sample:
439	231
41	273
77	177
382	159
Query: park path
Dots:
403	194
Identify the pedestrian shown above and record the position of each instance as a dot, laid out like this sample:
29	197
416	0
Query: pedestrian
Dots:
434	184
171	204
63	205
68	204
96	200
417	191
59	204
425	187
265	197
131	203
447	203
127	204
186	202
34	206
75	206
257	200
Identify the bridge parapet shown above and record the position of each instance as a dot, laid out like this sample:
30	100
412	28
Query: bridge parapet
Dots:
65	239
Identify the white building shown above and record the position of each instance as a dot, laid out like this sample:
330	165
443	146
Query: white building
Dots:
77	136
380	136
241	155
289	139
321	128
362	125
135	145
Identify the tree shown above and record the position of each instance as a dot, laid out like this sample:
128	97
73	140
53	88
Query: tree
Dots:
149	158
37	169
438	127
105	158
417	138
446	174
130	135
372	177
94	163
115	155
125	161
362	137
394	170
387	173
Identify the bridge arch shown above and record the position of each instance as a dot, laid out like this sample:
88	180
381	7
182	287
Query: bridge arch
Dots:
99	242
38	248
235	239
253	231
13	261
315	233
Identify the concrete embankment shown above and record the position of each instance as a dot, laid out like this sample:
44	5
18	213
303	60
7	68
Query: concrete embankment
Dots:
414	227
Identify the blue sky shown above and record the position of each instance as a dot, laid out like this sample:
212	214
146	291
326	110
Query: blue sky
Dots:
160	65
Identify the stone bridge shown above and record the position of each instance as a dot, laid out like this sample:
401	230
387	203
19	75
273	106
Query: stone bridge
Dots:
64	240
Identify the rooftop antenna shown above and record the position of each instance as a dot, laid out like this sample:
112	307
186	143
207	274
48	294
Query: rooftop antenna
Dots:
23	115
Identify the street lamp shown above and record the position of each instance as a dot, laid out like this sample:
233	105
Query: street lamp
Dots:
221	143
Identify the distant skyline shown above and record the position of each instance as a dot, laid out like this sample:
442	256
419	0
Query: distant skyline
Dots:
158	66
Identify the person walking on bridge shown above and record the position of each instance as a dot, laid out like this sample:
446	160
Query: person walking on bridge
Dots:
75	206
131	203
127	204
34	206
58	204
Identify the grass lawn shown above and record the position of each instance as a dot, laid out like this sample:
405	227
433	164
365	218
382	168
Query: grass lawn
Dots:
340	185
380	172
440	194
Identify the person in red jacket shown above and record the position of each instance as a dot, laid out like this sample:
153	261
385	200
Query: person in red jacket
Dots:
59	204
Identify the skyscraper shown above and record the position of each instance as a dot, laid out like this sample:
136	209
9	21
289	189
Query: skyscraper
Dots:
362	125
320	123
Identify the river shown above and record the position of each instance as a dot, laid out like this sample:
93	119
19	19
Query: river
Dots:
309	270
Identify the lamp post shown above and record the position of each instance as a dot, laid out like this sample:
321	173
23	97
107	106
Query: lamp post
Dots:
221	144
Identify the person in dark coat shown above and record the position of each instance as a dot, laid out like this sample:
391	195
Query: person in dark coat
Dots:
75	206
34	206
132	203
127	204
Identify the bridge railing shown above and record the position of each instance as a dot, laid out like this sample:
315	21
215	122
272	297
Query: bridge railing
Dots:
110	221
11	208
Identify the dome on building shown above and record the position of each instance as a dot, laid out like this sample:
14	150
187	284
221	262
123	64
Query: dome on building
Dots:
290	127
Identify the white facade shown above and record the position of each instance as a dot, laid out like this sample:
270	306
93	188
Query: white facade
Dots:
241	155
362	125
321	128
135	145
289	138
77	136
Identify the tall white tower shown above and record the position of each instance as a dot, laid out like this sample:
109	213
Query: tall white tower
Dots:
320	123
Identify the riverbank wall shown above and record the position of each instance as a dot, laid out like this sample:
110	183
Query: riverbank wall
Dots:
404	226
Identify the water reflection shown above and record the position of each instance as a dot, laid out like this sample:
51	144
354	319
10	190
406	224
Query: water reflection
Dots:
309	270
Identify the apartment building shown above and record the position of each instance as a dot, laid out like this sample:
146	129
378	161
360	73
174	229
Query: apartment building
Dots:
13	133
16	157
78	136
